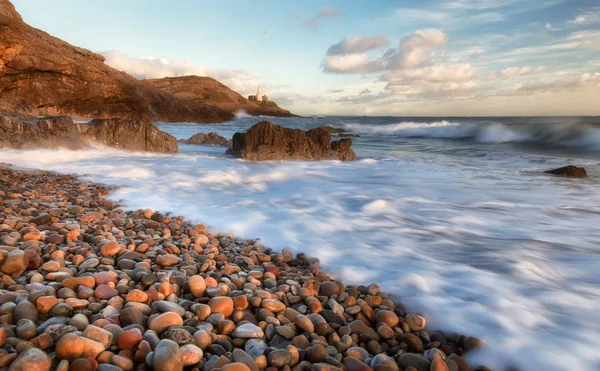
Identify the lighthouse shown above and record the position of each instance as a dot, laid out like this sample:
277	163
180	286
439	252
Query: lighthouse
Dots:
258	96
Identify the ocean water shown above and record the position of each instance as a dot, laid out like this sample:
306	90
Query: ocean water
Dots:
454	216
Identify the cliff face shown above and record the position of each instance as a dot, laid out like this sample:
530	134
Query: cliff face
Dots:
210	91
62	132
43	75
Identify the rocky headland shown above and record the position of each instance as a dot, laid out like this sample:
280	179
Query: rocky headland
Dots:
209	91
62	132
43	75
266	141
87	285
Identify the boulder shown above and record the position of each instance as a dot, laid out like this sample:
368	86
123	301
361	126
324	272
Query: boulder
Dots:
211	138
569	171
61	131
266	141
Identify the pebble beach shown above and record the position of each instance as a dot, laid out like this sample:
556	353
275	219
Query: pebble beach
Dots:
87	285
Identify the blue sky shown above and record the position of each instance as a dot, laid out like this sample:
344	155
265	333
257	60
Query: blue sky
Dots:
442	57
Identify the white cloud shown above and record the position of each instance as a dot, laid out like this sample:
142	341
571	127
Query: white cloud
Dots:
515	72
587	17
430	74
587	80
350	64
357	44
414	48
324	13
151	68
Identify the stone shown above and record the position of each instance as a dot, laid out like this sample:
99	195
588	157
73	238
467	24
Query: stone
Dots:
221	304
132	316
15	262
25	310
280	357
197	285
247	331
388	317
129	339
110	248
235	366
163	321
105	292
167	306
329	288
316	353
74	282
273	305
32	359
179	335
438	364
26	329
69	347
240	356
41	219
416	322
304	323
98	334
255	347
383	362
417	361
190	354
167	356
58	330
45	303
353	364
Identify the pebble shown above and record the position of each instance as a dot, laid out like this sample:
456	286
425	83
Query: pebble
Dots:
247	331
32	359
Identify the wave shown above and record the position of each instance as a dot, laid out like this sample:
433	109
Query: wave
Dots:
574	135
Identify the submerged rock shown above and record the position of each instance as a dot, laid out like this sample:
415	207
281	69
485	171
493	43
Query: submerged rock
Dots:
211	138
569	171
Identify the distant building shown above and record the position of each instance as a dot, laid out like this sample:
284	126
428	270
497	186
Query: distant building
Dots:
258	97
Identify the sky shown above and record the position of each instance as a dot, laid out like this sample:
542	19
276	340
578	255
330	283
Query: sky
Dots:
345	57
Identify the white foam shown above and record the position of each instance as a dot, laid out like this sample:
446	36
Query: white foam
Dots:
511	259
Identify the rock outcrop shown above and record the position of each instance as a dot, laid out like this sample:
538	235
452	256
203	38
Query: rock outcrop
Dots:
210	91
266	141
61	131
211	138
43	75
569	171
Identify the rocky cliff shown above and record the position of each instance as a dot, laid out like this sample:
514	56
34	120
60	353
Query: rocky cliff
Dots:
43	75
61	131
210	91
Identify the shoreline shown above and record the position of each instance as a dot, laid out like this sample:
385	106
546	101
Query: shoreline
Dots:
280	293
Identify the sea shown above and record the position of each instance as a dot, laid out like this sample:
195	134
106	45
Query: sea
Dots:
453	216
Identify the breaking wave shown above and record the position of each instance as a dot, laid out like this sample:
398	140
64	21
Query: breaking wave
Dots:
574	135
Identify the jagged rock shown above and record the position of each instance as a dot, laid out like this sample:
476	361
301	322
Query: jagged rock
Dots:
569	171
266	141
61	131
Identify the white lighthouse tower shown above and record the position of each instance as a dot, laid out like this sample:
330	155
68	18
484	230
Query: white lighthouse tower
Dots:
258	96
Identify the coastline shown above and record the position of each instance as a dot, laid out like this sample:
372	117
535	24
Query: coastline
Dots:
294	287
